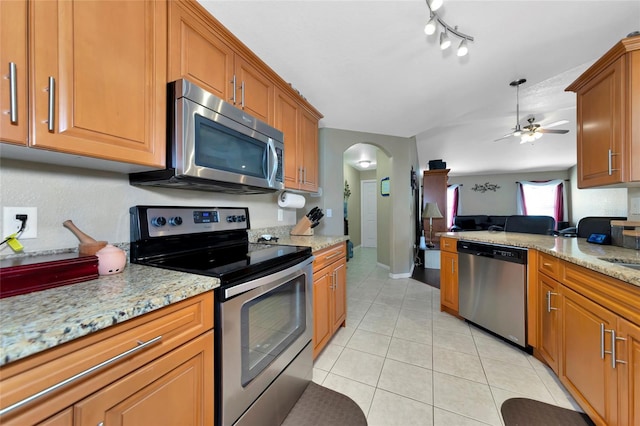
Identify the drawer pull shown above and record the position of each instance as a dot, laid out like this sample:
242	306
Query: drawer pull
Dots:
547	264
338	253
141	346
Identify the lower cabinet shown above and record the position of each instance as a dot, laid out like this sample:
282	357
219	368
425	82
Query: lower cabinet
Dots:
585	365
329	294
153	369
548	342
589	334
448	275
175	389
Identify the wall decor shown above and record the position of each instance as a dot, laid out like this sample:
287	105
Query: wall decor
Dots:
384	187
485	187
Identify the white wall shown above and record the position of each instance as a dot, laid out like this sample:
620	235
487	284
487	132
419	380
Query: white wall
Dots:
98	202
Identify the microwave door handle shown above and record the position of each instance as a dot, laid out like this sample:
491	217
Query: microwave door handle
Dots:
274	167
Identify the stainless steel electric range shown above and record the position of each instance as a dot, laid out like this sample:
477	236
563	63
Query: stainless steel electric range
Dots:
263	309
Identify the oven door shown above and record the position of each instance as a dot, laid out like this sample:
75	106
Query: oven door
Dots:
265	324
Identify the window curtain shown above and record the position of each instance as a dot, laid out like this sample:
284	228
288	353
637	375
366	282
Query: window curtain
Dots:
453	203
554	203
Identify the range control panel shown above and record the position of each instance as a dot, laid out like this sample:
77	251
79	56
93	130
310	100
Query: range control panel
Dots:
158	221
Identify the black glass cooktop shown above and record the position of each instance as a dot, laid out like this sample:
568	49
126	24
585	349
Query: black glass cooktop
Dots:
232	264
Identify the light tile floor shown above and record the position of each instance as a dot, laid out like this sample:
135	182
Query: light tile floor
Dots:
406	363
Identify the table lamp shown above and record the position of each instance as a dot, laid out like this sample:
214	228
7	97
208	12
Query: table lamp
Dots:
431	211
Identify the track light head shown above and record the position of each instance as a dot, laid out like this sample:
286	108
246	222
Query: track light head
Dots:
445	42
431	26
435	4
463	49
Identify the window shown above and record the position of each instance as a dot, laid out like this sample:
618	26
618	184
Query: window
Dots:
542	199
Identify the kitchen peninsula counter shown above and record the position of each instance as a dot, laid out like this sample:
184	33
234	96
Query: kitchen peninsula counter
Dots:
316	242
34	322
574	250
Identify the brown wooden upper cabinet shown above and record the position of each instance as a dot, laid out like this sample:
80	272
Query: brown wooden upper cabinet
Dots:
608	117
203	51
300	128
98	79
198	51
13	61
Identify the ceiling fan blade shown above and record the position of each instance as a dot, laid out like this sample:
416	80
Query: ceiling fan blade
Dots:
555	123
504	137
559	131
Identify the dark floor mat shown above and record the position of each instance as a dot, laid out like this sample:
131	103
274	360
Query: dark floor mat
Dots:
527	412
319	406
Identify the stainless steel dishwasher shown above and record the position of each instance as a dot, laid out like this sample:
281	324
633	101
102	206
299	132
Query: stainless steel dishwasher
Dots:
492	284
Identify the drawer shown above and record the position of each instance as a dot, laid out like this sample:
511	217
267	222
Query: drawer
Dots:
329	255
449	244
163	330
549	265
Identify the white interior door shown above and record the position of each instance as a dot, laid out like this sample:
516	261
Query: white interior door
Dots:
369	212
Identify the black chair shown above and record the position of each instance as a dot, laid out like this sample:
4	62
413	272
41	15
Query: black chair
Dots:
530	224
596	225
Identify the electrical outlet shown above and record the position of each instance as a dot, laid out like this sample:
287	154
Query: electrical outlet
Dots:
10	224
635	206
329	213
280	215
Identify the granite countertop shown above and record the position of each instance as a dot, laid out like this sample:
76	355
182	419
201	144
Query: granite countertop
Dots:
574	250
316	242
34	322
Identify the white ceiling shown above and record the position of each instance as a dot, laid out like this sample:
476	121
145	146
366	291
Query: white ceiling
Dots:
368	66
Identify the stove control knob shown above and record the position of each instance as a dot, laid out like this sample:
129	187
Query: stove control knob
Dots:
229	219
242	218
175	221
158	221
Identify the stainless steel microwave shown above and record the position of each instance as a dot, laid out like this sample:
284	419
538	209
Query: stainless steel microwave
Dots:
214	146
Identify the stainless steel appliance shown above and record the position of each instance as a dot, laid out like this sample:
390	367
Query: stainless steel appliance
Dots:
215	146
263	309
492	283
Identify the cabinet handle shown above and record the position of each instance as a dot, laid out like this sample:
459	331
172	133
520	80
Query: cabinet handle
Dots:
52	103
13	84
233	84
549	294
242	94
612	352
141	345
547	264
611	169
304	175
614	359
453	266
300	175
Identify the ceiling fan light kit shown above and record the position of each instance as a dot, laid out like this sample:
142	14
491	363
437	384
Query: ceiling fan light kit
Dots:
445	41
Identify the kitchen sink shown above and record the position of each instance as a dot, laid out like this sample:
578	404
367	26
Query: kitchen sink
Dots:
634	264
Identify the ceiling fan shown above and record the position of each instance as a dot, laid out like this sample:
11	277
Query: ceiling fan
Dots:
533	130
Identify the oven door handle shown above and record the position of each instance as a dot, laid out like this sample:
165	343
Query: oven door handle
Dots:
269	279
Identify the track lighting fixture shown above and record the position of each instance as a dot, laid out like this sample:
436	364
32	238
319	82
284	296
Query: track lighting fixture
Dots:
445	41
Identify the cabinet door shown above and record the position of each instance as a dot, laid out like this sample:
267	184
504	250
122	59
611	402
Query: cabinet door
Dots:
585	359
287	120
628	350
13	53
548	342
309	151
599	125
63	418
198	54
107	63
321	309
174	389
339	293
449	280
254	91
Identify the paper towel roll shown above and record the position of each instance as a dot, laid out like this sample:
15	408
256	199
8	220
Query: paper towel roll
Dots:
287	200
